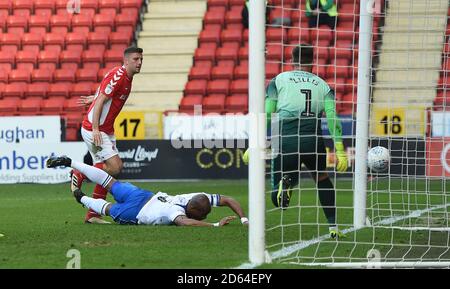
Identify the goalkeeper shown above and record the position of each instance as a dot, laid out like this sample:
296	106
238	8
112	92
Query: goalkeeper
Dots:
300	97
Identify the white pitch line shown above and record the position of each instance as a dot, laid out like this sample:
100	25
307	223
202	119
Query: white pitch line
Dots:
305	244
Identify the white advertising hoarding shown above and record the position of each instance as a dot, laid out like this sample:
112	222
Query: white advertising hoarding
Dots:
30	129
22	163
206	127
440	121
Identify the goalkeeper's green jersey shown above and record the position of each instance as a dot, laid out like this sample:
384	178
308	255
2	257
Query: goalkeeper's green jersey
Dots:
300	98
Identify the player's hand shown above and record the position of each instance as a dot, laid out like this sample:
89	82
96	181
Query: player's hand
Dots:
341	156
226	220
96	135
85	100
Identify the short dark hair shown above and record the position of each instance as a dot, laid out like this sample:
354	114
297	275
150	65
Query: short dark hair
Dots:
132	49
198	207
303	54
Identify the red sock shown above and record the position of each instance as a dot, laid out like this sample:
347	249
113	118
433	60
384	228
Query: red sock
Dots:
99	193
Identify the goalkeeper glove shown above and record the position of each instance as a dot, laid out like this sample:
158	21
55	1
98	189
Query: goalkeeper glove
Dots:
341	157
245	157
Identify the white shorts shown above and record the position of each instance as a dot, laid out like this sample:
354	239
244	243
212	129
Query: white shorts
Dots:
107	150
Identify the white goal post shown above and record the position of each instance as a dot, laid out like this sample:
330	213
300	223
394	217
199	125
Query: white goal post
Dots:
389	89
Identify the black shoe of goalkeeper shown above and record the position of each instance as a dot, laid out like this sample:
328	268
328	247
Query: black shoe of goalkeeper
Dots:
78	194
62	161
284	192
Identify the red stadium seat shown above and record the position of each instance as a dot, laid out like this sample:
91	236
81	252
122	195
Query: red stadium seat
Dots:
103	23
113	57
39	24
76	41
32	42
37	89
199	72
233	16
44	7
7	57
70	56
222	72
42	75
59	89
231	35
86	74
81	88
17	24
10	42
236	103
53	104
188	102
26	57
215	15
210	35
274	51
61	23
272	69
227	53
298	35
98	41
71	105
22	7
9	105
48	57
205	53
54	42
19	75
3	76
243	53
239	86
241	72
119	40
276	35
92	56
89	7
221	86
81	23
16	89
102	73
212	3
64	75
214	103
6	6
109	6
125	20
321	33
195	87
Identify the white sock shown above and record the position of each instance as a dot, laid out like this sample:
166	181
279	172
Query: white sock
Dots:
96	175
97	205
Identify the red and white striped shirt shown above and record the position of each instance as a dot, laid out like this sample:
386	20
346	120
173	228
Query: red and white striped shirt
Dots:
116	86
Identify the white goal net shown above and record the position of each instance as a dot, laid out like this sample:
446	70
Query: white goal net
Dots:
406	209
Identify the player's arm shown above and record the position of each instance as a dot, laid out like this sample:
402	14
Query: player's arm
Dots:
234	206
271	100
182	220
98	108
335	129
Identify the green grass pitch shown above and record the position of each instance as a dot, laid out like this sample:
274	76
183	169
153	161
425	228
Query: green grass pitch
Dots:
40	223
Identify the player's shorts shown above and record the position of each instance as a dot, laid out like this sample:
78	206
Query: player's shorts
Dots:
107	150
295	152
130	200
